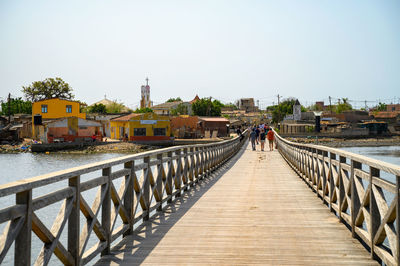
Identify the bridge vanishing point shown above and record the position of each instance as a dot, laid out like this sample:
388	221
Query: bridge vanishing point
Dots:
219	203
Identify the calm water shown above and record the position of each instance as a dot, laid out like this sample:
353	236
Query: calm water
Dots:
25	165
390	154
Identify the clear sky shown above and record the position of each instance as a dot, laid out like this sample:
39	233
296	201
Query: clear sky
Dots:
227	49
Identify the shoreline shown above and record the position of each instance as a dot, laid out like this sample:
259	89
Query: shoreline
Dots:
338	143
117	147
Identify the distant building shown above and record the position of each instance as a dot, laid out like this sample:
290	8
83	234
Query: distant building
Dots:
168	107
196	98
106	102
142	128
145	95
393	107
216	126
297	111
247	104
53	109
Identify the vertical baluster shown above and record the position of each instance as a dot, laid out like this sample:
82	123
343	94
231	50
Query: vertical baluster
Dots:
106	210
146	189
22	253
342	190
375	216
128	199
178	173
169	177
324	176
332	184
159	180
74	221
355	201
185	168
192	166
197	164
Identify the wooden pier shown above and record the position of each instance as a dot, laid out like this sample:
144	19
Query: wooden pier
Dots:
217	203
255	210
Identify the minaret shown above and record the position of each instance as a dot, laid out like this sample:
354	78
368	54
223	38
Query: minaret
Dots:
145	97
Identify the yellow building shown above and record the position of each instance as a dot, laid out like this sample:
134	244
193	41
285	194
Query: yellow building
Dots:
148	127
54	109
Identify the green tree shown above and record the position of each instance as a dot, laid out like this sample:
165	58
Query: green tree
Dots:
97	108
48	89
143	110
381	107
177	99
206	107
17	106
181	109
343	106
283	109
115	108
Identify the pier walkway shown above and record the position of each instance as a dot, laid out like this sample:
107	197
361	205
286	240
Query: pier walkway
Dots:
253	210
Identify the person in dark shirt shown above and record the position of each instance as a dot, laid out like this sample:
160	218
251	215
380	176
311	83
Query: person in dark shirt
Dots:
257	134
262	139
253	138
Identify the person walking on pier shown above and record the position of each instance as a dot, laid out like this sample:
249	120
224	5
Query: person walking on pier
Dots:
253	139
262	139
270	137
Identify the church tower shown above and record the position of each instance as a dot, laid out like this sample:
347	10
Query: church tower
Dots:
297	111
145	95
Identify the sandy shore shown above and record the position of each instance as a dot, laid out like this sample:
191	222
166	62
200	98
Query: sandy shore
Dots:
337	143
119	147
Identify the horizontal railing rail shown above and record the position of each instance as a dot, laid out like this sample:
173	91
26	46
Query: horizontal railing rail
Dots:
130	190
361	191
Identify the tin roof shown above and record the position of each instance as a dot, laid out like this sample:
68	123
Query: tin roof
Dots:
214	119
386	115
126	117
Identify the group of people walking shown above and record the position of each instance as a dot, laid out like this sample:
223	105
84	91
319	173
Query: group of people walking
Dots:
259	134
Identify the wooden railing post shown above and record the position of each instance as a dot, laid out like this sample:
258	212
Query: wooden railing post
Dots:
169	177
375	216
74	221
178	173
106	210
146	189
185	167
342	190
355	201
332	184
159	181
128	199
22	253
192	166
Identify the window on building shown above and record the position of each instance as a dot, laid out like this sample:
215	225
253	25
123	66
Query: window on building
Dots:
69	108
44	108
159	131
393	108
139	132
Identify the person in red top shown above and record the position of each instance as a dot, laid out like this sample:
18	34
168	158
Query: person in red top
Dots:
270	137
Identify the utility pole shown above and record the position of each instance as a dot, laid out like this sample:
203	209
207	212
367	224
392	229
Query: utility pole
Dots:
278	99
330	104
9	108
365	105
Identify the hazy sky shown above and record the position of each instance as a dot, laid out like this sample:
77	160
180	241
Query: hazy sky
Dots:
224	49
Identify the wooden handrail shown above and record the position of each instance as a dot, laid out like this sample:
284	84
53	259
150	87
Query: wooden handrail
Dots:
352	186
165	173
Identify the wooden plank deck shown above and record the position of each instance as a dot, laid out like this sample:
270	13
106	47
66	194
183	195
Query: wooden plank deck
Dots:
254	210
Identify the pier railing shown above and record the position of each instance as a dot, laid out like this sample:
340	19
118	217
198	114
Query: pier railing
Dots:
130	190
362	192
